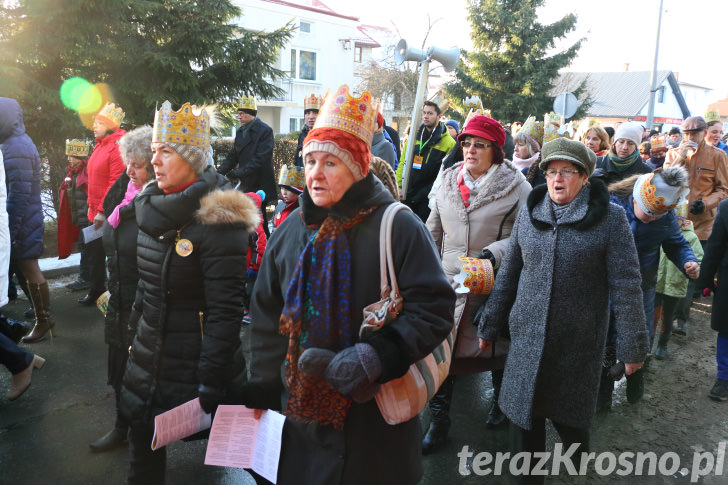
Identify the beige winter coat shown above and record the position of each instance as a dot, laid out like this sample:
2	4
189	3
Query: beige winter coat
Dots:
466	231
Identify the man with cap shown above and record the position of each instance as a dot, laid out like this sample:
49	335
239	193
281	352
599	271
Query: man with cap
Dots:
251	158
432	143
707	169
311	106
623	160
104	167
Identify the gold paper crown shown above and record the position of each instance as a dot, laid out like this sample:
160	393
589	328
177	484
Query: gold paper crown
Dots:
550	133
657	141
711	115
553	118
77	148
183	126
357	116
312	102
533	128
654	204
681	210
248	102
292	176
111	115
472	103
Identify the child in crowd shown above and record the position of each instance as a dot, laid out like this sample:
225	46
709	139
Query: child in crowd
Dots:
291	181
672	284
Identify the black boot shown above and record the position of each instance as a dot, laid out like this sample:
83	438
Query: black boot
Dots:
496	417
436	435
635	387
606	388
661	350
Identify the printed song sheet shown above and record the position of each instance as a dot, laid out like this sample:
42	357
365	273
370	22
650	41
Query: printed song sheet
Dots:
239	440
180	422
91	234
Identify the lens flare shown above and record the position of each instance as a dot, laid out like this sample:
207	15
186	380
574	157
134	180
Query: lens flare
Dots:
72	91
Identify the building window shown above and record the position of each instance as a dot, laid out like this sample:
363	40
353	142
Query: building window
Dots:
357	54
295	124
303	65
661	94
304	27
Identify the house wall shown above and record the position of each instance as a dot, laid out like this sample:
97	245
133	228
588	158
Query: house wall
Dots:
667	113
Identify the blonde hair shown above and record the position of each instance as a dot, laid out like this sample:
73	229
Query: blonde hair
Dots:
601	134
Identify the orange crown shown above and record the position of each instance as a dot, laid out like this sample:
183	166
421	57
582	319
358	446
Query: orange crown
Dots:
357	116
312	102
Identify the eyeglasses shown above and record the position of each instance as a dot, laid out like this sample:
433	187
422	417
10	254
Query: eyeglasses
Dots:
478	145
566	173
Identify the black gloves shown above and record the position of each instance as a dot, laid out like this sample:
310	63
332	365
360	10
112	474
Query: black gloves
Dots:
697	207
210	397
486	254
351	372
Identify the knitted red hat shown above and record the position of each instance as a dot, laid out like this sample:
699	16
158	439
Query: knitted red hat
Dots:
484	127
350	149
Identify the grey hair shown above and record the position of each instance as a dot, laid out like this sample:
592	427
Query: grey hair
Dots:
136	146
523	137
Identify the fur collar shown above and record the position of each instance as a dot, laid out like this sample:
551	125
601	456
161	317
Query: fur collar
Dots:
624	187
228	207
590	206
501	183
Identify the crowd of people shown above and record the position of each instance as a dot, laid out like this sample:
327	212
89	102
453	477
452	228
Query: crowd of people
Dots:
587	248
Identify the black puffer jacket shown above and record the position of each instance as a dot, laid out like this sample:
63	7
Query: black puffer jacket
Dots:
120	245
191	306
78	196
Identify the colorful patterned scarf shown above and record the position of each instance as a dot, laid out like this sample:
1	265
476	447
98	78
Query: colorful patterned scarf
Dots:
317	313
622	164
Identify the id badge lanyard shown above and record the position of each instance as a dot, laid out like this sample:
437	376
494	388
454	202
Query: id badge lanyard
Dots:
418	160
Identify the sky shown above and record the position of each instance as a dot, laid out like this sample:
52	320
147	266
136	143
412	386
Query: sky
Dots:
692	37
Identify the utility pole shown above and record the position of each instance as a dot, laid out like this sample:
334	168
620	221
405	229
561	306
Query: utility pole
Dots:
653	81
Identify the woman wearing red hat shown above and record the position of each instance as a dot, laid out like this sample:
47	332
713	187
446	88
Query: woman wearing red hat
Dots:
320	269
474	212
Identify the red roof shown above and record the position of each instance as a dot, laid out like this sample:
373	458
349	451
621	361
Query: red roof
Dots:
316	6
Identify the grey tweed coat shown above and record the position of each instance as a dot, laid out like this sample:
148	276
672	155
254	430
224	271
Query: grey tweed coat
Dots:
553	291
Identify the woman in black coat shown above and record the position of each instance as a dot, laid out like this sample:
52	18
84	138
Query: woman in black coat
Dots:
715	262
120	238
191	259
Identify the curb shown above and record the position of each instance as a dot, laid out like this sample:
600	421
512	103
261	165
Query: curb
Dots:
55	268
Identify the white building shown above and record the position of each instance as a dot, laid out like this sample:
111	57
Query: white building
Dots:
323	53
697	97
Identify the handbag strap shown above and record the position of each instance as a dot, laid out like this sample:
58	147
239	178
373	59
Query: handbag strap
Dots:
386	261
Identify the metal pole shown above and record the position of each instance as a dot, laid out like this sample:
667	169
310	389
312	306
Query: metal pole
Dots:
414	126
653	81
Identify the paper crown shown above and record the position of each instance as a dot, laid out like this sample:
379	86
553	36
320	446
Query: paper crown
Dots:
182	126
711	115
550	133
655	197
441	101
293	177
77	148
111	115
533	128
357	116
476	276
681	210
248	102
657	141
312	102
553	119
472	103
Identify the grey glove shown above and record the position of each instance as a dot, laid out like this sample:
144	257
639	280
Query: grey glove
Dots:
351	371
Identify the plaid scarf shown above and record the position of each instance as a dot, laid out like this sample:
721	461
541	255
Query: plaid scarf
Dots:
317	313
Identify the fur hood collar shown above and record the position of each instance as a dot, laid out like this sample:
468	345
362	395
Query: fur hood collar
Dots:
228	207
589	207
502	182
623	188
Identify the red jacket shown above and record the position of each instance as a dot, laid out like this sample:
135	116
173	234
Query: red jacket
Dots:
256	240
104	168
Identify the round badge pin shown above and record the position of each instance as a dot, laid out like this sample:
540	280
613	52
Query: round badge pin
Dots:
184	247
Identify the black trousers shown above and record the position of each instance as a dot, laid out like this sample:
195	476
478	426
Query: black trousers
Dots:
145	466
96	261
534	440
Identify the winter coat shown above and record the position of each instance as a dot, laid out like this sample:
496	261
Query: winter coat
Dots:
553	291
4	239
22	179
78	195
671	280
467	231
715	262
191	306
251	160
120	246
383	148
282	212
72	207
363	452
607	172
708	175
649	238
432	151
298	160
105	166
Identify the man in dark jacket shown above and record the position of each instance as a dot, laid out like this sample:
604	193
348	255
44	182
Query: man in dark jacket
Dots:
251	158
432	143
311	106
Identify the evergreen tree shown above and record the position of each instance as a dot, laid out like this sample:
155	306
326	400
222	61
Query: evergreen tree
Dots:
145	51
512	67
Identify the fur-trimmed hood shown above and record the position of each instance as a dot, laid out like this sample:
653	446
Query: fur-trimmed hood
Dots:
624	187
502	182
228	207
590	206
